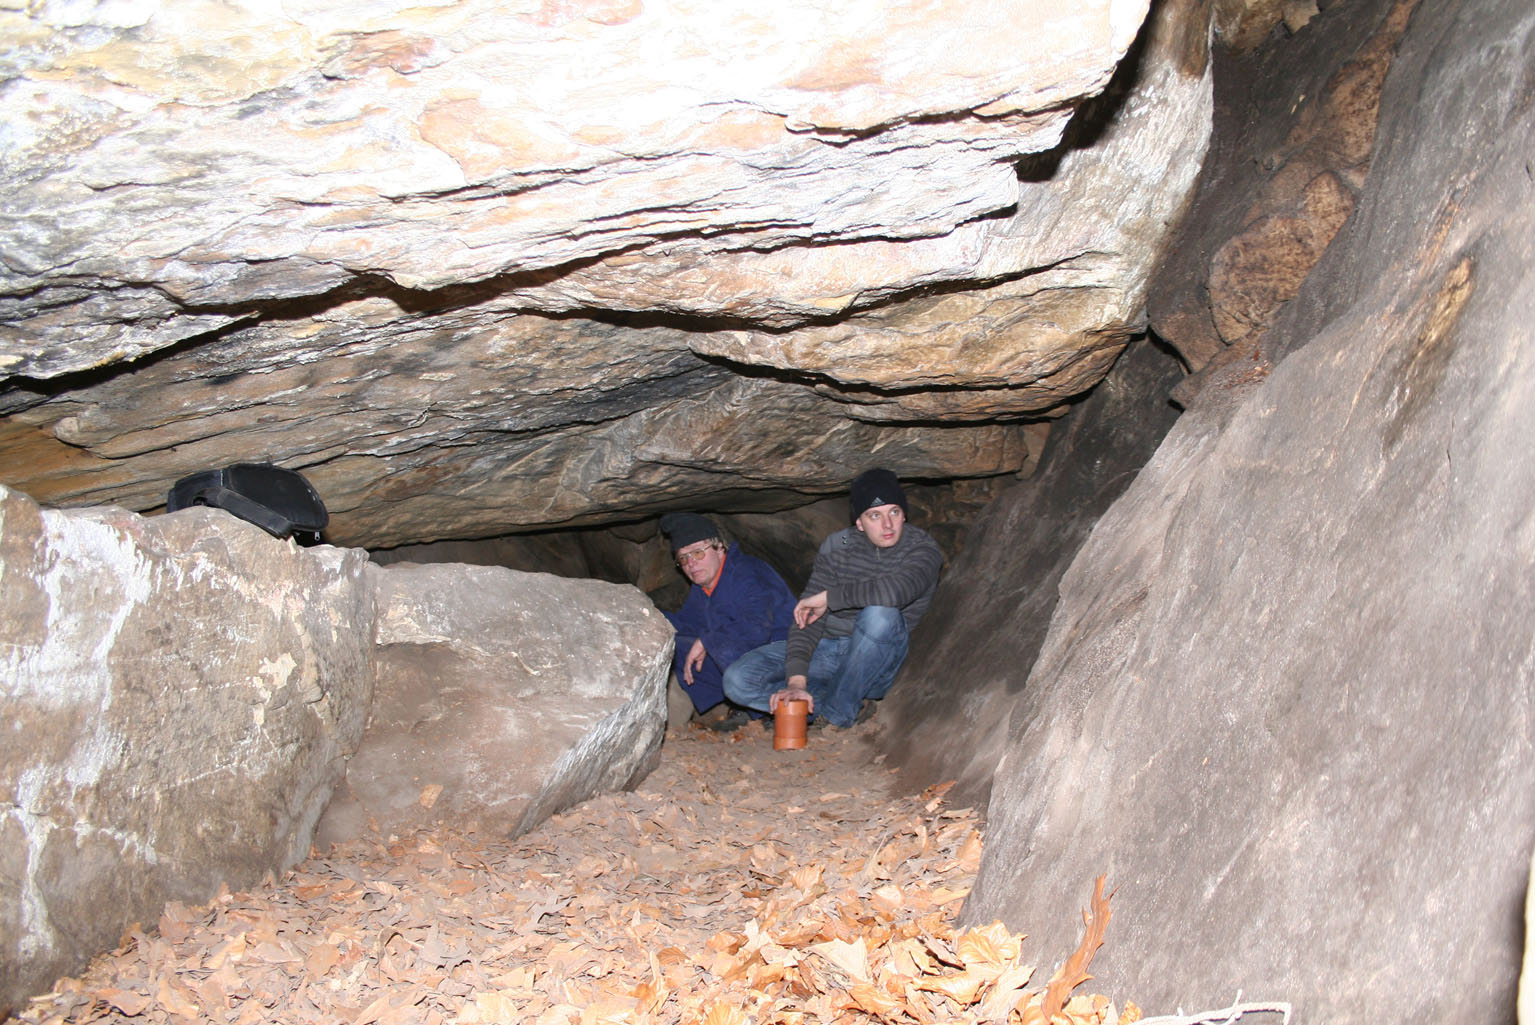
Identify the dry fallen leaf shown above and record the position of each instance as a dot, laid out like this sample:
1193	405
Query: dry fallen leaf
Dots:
125	1000
969	854
963	987
875	1000
497	1007
852	958
807	876
725	1014
1074	972
988	944
696	900
1007	993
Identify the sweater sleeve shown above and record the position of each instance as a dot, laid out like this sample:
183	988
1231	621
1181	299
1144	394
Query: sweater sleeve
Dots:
801	643
909	578
688	621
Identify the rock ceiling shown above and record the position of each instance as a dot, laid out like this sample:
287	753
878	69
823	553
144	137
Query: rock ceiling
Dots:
485	267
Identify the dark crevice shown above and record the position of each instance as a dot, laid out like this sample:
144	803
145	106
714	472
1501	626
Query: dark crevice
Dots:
1094	116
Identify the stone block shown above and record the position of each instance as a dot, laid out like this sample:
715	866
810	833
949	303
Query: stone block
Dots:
178	696
502	697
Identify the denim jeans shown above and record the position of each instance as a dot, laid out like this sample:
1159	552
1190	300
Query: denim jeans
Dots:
843	670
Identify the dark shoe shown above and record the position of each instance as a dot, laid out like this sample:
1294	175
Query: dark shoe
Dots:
732	721
867	710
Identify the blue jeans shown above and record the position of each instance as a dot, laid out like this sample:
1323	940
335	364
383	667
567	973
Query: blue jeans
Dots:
843	670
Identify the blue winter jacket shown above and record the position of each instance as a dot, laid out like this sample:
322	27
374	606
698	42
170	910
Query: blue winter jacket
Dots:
751	606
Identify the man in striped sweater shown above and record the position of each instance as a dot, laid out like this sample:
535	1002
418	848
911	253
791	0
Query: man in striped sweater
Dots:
870	585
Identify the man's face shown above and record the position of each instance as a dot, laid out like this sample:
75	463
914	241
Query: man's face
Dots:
882	524
700	561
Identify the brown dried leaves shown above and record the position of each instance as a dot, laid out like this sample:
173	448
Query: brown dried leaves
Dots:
735	888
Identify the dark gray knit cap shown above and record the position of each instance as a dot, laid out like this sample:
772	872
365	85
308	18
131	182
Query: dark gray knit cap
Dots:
685	528
876	487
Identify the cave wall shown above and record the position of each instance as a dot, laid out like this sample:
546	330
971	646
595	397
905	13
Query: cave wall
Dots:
1293	135
1294	128
1284	702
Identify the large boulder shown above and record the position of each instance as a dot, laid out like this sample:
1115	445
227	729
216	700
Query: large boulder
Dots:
502	697
179	696
1285	701
182	695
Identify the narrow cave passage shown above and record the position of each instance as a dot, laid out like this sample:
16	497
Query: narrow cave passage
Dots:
736	883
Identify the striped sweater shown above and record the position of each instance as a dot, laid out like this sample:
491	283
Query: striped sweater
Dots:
854	573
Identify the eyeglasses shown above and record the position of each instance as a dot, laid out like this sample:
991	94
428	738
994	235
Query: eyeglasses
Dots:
683	558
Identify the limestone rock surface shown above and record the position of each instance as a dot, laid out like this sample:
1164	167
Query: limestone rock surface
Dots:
482	268
1285	701
178	696
501	698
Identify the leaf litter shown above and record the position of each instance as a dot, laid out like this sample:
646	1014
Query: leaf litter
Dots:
737	885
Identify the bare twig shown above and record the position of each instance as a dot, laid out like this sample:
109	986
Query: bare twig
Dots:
1225	1016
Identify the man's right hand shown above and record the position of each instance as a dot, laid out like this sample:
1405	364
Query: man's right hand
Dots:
795	691
808	610
694	661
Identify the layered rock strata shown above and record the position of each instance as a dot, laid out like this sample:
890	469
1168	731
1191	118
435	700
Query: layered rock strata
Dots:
486	268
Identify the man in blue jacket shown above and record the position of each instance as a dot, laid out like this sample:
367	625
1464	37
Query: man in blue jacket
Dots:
737	603
871	584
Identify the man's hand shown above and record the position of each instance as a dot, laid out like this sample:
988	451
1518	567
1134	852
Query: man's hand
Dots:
810	609
694	661
794	692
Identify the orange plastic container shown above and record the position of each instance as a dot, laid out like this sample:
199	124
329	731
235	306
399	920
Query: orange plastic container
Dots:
789	725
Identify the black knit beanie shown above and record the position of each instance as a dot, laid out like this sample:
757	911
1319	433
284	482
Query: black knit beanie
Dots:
685	528
876	487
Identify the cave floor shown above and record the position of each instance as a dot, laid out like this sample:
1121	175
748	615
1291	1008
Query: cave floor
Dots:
736	884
